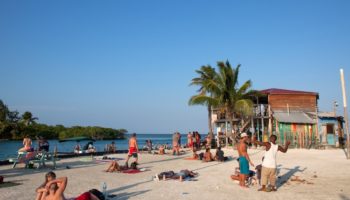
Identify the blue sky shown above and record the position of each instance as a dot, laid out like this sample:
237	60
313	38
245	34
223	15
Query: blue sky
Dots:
128	64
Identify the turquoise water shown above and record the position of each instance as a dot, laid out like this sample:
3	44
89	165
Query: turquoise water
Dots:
9	148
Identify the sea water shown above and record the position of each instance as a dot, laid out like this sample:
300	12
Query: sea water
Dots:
9	148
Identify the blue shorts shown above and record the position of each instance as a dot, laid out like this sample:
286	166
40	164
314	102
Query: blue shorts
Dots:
243	165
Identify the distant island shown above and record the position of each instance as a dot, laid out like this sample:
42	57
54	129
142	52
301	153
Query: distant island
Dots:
14	126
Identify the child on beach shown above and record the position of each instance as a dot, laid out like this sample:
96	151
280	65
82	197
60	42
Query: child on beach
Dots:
258	169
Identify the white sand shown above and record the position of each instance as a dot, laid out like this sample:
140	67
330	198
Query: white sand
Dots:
326	174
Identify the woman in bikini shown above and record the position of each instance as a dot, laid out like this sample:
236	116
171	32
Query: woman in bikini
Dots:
27	144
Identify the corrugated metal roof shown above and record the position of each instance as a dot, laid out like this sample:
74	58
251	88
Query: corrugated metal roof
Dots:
325	114
293	117
283	91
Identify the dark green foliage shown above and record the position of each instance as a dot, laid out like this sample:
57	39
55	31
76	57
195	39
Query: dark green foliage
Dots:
14	127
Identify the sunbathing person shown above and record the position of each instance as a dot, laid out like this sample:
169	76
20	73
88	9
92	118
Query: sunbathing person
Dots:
55	191
115	167
161	150
183	174
208	157
219	155
41	189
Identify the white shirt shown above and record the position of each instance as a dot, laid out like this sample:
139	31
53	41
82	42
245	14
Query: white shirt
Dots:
270	157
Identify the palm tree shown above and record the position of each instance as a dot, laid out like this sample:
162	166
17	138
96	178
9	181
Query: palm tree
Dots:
221	90
204	97
233	99
28	118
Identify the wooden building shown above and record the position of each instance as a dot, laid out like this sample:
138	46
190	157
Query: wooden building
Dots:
290	114
284	113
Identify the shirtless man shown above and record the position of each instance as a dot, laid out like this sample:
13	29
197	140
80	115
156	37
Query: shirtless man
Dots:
244	159
208	157
27	143
55	191
133	149
269	164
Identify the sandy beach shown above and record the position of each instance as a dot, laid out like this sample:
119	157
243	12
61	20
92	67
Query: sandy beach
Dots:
321	174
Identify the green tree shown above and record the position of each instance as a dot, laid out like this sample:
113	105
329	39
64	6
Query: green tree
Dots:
235	99
226	94
4	111
205	92
28	118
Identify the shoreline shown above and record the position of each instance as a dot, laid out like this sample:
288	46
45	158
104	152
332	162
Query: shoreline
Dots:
302	174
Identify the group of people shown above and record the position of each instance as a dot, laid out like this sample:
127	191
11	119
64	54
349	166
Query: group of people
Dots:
269	163
53	188
43	144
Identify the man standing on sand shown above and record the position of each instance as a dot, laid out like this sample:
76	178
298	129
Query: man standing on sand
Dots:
133	149
269	164
244	159
176	148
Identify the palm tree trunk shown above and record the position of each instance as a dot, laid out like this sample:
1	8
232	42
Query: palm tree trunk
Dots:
210	125
233	136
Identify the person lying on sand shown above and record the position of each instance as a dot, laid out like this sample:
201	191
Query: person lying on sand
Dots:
183	174
115	167
55	191
41	189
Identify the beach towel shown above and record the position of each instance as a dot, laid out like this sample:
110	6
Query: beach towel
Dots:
134	171
190	158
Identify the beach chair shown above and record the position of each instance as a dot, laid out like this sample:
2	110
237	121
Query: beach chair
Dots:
22	157
39	158
42	158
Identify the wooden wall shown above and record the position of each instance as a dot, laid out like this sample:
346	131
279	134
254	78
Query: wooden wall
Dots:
302	102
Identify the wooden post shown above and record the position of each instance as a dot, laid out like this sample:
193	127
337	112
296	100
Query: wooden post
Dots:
270	120
257	119
262	122
345	111
317	134
226	137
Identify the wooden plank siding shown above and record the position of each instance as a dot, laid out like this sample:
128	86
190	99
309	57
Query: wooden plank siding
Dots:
299	102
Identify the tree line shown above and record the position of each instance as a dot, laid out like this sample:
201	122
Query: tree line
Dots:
15	126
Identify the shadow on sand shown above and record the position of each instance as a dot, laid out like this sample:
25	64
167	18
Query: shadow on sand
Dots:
20	171
12	183
285	177
126	195
343	197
